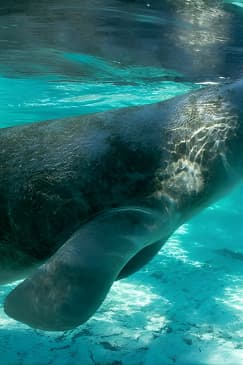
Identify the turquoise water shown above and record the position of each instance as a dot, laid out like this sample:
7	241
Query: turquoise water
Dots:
186	306
104	86
236	3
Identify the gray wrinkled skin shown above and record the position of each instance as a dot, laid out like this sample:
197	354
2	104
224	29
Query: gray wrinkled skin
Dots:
100	194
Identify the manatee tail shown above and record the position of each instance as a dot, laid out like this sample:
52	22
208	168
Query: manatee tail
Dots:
67	290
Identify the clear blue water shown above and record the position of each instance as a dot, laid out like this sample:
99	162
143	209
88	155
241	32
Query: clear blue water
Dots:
186	306
106	87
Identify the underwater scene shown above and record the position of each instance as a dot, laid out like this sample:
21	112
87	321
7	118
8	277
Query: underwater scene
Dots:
65	60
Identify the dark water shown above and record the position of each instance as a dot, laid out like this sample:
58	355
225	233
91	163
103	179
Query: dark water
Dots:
201	39
63	58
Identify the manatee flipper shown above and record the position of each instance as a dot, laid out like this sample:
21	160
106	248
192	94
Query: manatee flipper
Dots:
140	259
65	291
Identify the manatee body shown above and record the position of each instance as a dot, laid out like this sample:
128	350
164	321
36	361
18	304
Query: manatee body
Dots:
88	200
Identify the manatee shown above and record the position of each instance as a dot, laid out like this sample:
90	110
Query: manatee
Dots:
89	200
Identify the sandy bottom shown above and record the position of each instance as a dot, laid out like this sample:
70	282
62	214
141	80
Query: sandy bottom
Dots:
185	307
